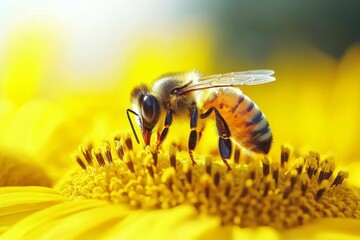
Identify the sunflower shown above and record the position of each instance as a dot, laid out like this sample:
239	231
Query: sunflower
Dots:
116	189
123	191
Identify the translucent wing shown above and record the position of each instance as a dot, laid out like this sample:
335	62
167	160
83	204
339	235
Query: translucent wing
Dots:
232	79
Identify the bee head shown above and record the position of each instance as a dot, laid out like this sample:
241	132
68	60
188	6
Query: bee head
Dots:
148	108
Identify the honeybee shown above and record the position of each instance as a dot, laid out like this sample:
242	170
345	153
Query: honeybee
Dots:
194	96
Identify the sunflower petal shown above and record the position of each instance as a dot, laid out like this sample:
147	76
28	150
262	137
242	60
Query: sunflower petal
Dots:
19	170
78	225
35	225
181	222
19	202
326	228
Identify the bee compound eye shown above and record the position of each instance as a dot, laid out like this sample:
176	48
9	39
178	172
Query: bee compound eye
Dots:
150	111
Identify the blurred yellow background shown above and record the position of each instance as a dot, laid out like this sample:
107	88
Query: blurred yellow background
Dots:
67	69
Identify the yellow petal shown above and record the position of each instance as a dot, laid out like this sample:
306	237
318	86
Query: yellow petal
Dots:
326	228
256	233
46	132
34	226
19	202
19	170
31	126
87	224
177	223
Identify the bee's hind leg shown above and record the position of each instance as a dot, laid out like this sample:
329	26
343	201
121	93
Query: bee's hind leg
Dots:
225	145
193	134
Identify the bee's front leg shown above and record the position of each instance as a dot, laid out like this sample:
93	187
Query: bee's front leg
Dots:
225	145
168	121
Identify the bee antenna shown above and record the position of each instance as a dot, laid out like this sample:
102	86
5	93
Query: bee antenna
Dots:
131	124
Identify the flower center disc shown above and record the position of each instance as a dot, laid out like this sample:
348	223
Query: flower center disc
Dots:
280	193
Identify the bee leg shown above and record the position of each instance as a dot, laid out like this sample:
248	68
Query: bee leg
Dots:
162	136
225	145
193	134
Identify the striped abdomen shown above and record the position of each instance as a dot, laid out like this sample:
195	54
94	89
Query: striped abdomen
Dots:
248	126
